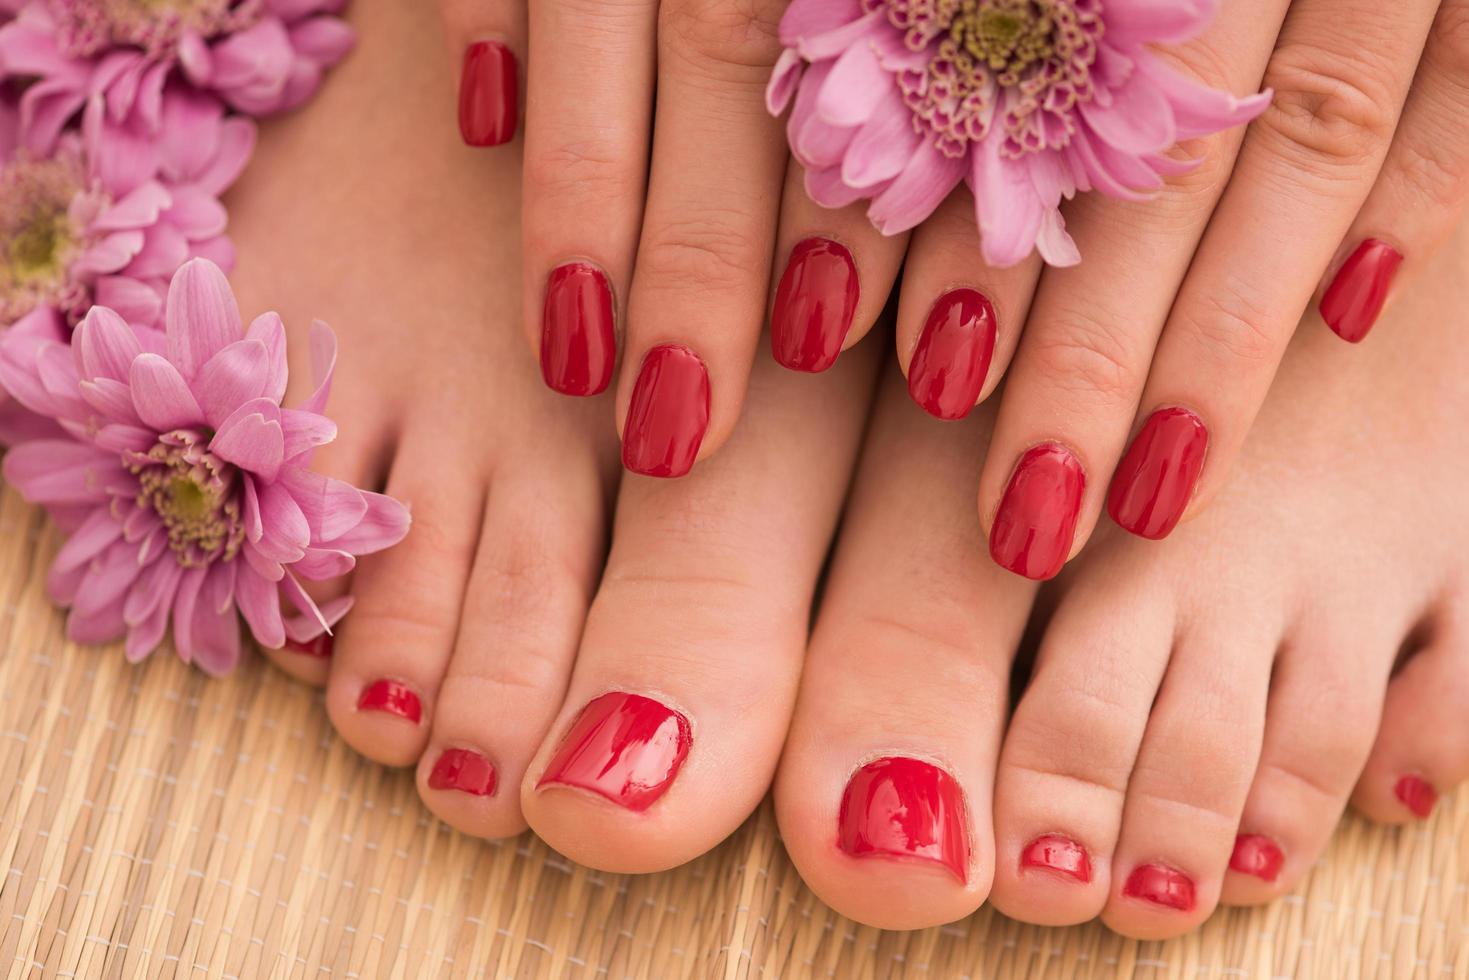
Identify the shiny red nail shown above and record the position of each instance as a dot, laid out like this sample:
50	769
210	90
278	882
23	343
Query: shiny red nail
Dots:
904	808
577	343
1258	855
624	747
1037	518
1352	302
393	698
489	94
1156	479
1417	794
814	305
953	354
1161	886
469	772
669	413
1053	852
319	647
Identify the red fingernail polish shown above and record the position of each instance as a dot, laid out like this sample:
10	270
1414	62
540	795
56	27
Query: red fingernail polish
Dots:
1156	479
1417	794
1258	855
577	344
814	305
489	94
393	698
953	354
1161	886
1056	853
1351	303
469	772
622	746
668	414
903	808
1033	528
319	647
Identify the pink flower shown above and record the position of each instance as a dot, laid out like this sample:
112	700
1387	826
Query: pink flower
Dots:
183	483
1028	101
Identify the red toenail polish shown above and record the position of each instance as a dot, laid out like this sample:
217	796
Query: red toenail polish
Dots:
904	808
1032	532
577	343
393	698
1417	794
814	305
1161	886
1258	855
669	413
1351	303
489	94
622	746
953	354
1056	853
319	647
469	772
1156	479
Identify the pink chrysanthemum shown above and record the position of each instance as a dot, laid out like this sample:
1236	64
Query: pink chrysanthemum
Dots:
182	481
1028	101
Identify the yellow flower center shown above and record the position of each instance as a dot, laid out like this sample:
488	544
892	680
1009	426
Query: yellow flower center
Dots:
1008	36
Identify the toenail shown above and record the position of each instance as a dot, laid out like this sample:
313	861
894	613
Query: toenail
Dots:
1258	855
1161	886
903	808
488	94
1032	532
624	747
1351	303
1052	852
319	647
1155	480
952	358
1417	794
464	770
577	342
392	698
668	414
814	305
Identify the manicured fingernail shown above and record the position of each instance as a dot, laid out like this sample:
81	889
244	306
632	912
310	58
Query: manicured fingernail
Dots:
903	808
1258	855
624	747
814	305
319	647
577	344
1033	528
1417	794
669	413
1056	853
1352	302
1156	479
469	772
489	94
393	698
1161	886
953	354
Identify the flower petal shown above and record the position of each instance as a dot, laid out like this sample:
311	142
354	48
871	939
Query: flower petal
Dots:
855	87
384	525
60	471
236	375
259	601
1007	207
270	331
251	438
162	396
201	316
922	186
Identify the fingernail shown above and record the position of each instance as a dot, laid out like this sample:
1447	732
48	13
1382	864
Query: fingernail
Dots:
1056	853
488	94
577	344
624	747
668	414
1258	855
319	647
1352	302
1156	479
814	305
1161	886
1417	794
469	772
1033	528
903	808
393	698
953	354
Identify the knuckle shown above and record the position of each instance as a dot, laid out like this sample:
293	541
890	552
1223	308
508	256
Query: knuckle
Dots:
1448	46
1329	110
592	169
730	36
1088	356
1231	327
710	251
1432	170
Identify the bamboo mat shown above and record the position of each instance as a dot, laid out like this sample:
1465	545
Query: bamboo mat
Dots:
160	824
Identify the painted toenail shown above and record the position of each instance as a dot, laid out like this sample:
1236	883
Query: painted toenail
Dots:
814	305
1417	794
1052	852
1033	528
392	698
488	94
1156	479
1161	886
668	414
577	343
903	808
952	358
624	747
464	770
1258	855
319	647
1351	303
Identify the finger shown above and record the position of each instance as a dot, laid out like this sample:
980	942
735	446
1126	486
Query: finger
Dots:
483	36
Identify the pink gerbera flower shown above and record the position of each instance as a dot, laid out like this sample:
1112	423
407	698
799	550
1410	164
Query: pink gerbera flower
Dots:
182	481
1028	101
